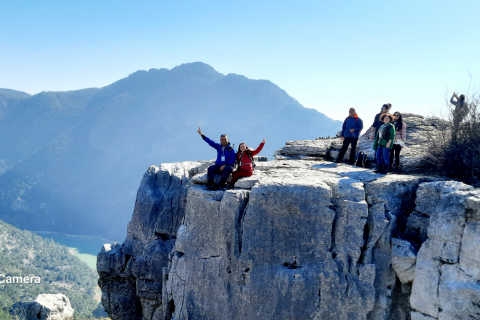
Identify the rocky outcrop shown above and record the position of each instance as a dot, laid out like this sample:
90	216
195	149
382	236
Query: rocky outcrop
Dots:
300	239
419	131
45	307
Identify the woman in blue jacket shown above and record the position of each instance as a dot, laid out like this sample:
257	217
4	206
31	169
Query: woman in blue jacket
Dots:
352	126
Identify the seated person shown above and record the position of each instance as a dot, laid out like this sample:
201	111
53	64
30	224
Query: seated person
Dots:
224	163
245	161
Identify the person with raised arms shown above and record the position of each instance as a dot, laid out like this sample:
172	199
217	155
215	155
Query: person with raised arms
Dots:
224	162
245	162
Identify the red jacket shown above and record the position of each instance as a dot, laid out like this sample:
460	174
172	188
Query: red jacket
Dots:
244	159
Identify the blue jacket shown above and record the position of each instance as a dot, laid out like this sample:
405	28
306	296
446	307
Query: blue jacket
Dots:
229	152
352	123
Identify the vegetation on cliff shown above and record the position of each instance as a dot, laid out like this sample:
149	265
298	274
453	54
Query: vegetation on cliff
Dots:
456	151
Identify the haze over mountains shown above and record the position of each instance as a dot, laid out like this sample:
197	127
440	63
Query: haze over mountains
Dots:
72	161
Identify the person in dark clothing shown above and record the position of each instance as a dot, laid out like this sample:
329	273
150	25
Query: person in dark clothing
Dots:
460	111
224	163
377	123
398	143
352	126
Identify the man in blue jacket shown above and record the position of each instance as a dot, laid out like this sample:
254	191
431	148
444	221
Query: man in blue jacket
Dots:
352	126
226	155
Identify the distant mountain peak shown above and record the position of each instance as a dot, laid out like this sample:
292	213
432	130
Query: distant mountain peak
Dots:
14	93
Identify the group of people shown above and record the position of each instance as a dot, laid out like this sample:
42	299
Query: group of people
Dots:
389	133
229	161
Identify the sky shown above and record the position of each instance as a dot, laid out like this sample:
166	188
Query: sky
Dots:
328	55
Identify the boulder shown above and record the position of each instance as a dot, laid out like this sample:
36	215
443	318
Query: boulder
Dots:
403	260
45	307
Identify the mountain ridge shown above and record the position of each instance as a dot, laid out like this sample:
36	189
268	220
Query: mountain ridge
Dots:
82	151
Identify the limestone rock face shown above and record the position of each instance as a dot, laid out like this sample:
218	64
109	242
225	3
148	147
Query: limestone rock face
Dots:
403	260
45	307
300	239
447	275
419	129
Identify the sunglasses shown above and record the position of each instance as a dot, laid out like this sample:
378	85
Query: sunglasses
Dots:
396	115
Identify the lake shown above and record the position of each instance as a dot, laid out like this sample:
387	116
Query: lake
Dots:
85	248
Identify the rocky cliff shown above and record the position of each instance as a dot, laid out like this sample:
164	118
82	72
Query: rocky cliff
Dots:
300	239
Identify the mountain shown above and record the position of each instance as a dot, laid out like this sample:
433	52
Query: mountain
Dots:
49	267
70	161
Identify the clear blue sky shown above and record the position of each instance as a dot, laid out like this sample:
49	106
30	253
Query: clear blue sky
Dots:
329	55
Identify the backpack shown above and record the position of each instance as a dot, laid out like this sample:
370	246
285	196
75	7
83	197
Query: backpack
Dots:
361	160
252	160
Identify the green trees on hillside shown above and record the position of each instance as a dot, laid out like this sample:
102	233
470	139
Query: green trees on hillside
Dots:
23	253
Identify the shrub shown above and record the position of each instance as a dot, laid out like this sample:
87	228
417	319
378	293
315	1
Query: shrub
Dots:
455	151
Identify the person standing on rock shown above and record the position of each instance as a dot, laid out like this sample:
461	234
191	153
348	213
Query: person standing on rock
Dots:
384	143
398	143
224	163
460	111
245	161
377	122
352	126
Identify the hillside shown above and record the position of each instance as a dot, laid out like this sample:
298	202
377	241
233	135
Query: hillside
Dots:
23	253
70	161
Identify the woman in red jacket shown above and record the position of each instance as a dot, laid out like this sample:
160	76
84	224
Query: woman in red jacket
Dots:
244	161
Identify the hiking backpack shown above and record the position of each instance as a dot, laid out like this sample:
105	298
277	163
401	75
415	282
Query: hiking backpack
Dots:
251	159
361	160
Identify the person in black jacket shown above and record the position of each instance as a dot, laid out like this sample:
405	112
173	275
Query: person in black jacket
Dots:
377	123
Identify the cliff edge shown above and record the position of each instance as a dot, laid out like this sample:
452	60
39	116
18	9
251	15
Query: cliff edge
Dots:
300	239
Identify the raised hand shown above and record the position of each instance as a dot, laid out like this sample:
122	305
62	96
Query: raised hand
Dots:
199	131
263	140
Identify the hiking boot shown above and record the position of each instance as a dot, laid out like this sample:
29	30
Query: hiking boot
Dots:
383	170
338	161
378	169
222	184
399	169
213	187
390	168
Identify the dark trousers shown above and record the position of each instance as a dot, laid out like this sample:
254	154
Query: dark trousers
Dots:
395	151
212	170
347	141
